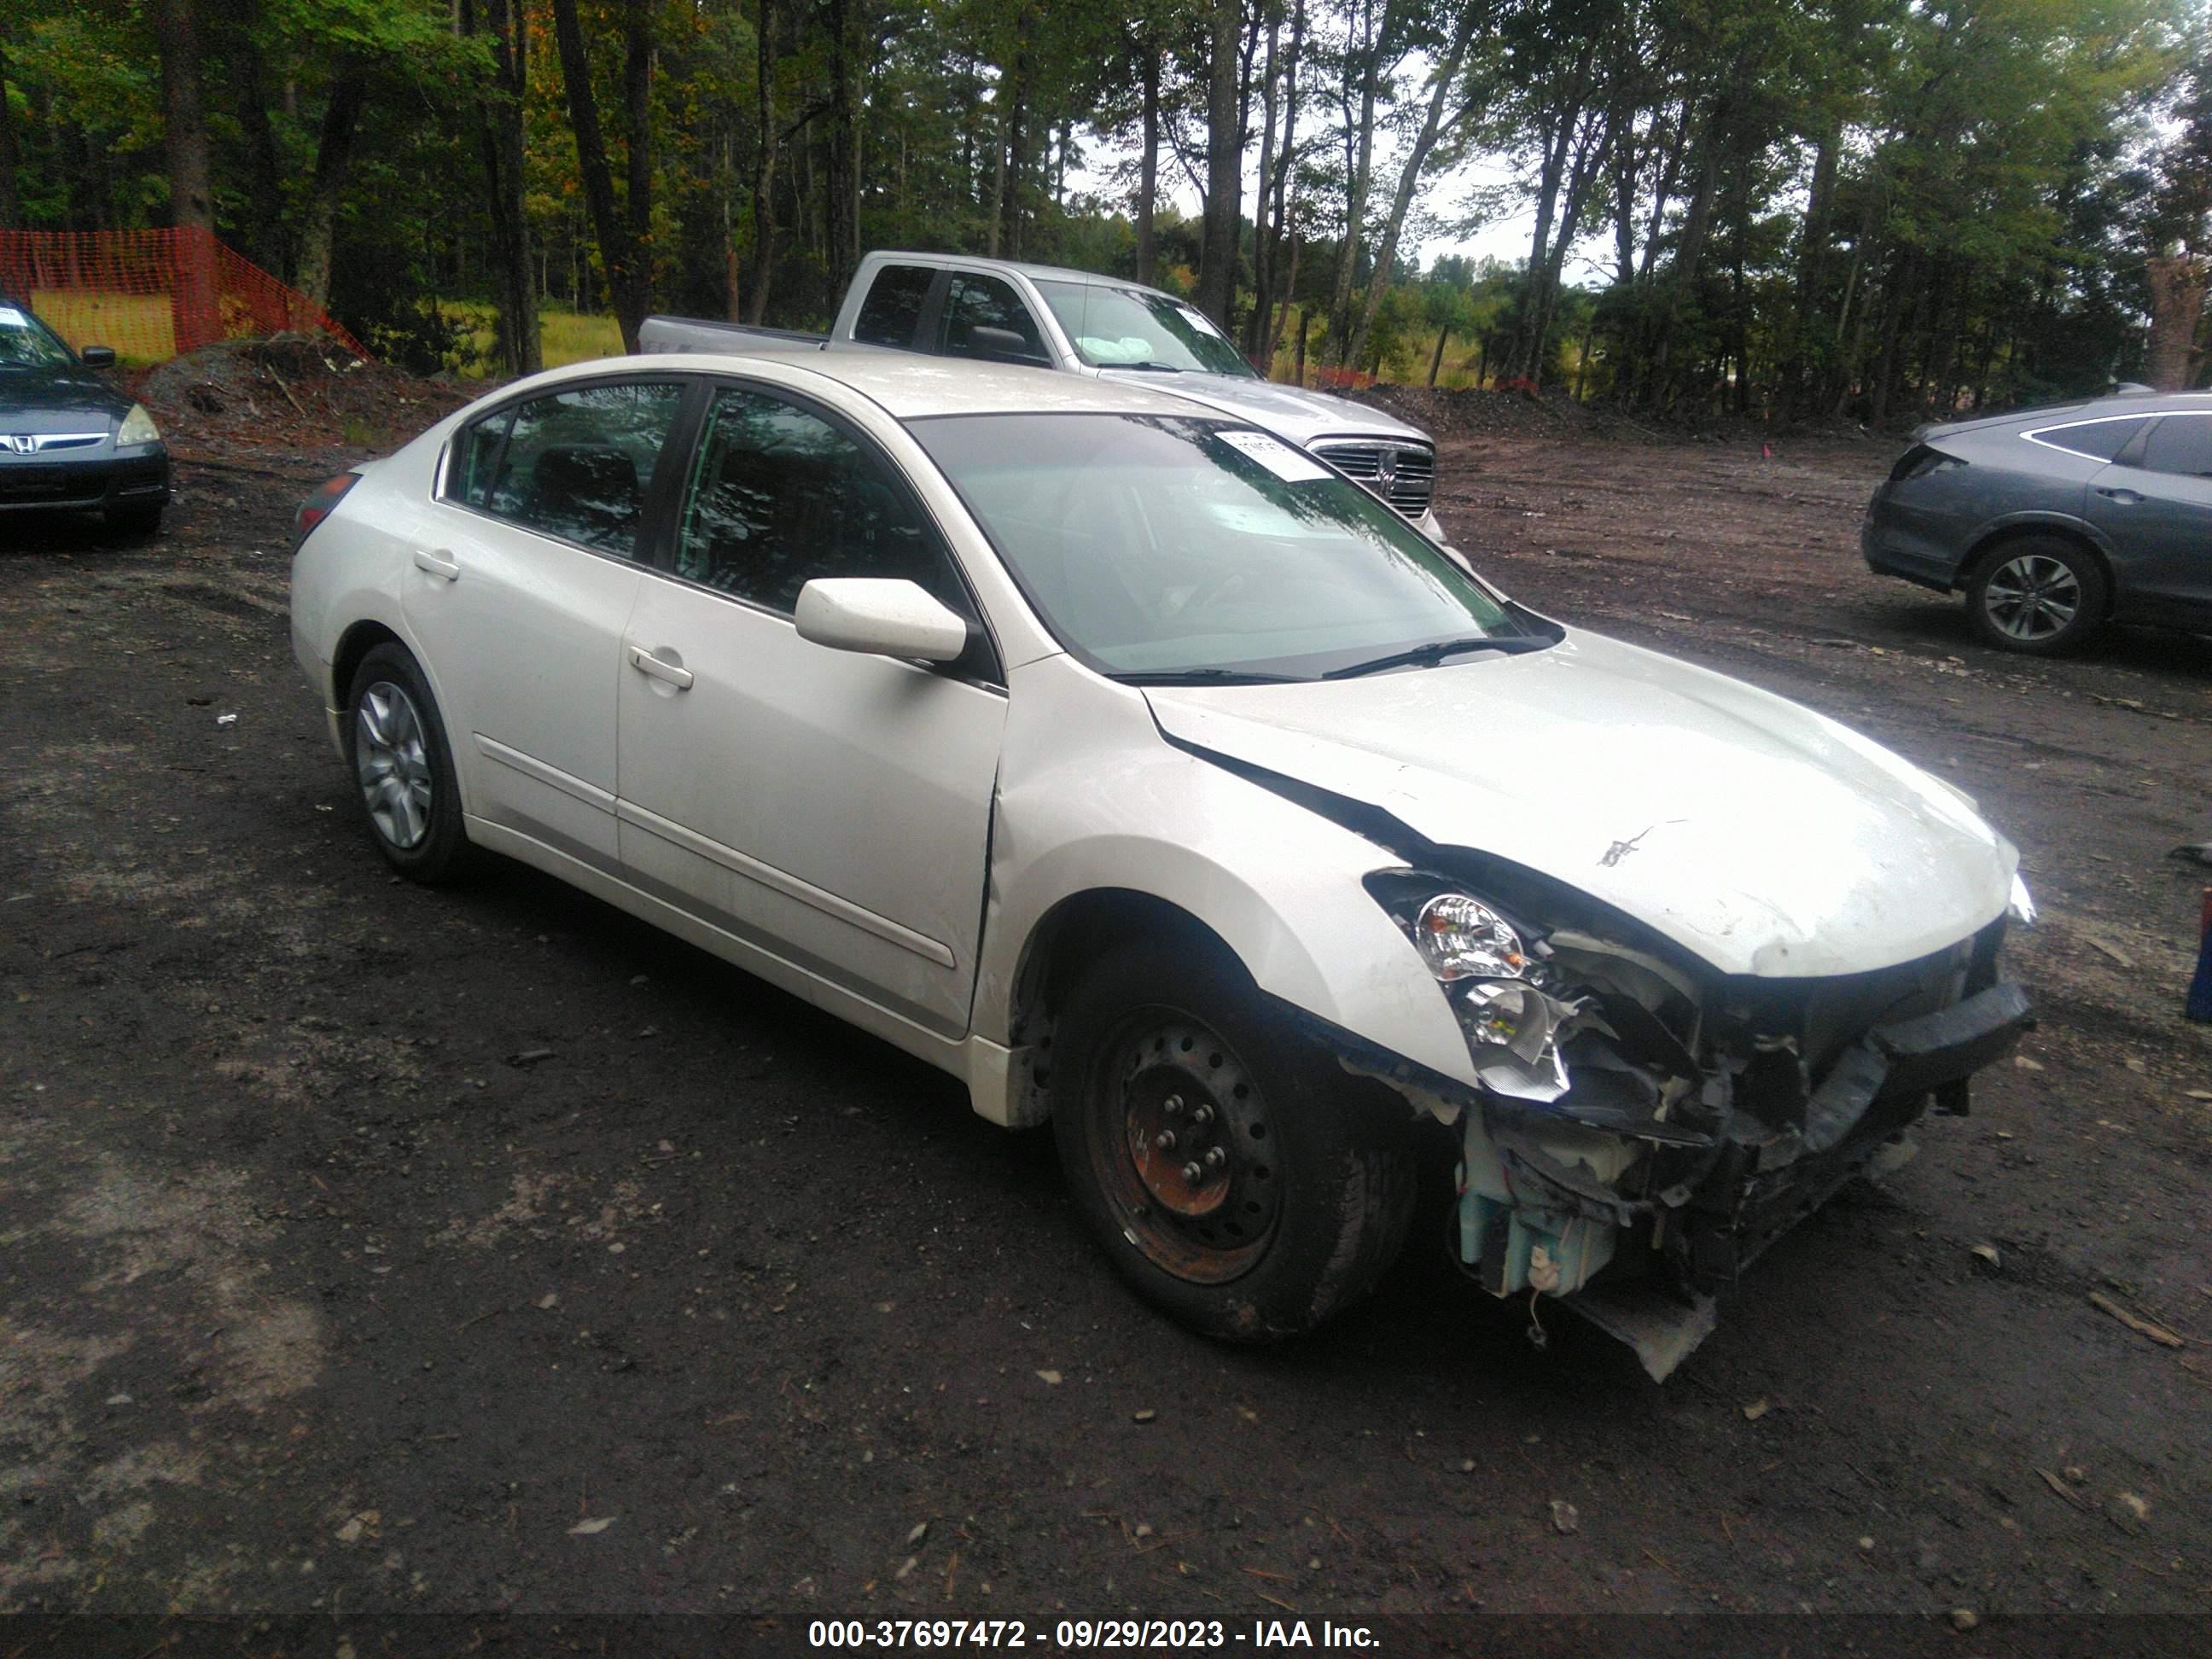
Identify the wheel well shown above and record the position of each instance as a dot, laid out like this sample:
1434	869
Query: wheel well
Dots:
1987	548
1073	934
360	640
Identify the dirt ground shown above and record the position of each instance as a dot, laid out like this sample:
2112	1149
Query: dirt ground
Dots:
368	1251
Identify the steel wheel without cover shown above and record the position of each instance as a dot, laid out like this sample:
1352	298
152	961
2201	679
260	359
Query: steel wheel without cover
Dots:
1189	1163
391	759
2034	597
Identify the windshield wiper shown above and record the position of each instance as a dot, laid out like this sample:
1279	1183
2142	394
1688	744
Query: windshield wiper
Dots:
1429	655
1151	366
1204	677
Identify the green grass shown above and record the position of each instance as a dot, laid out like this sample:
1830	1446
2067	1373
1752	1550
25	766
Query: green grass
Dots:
564	337
136	325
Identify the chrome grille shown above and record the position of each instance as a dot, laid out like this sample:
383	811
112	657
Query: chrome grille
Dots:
1402	474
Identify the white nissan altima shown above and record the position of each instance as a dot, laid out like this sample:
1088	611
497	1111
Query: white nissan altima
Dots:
1155	780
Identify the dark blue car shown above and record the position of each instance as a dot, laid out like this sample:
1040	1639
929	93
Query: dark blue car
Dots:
2055	521
68	440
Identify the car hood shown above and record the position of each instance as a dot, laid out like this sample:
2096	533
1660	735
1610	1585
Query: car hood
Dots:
1287	410
43	401
1761	836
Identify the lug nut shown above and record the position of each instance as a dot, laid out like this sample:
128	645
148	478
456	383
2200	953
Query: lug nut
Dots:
1215	1158
1174	1107
1193	1172
1165	1141
1200	1115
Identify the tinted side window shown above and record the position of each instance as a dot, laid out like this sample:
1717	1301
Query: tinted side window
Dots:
2098	439
780	497
974	302
577	464
892	311
2180	443
475	458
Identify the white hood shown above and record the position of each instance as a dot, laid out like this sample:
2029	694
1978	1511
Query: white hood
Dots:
1287	410
1763	837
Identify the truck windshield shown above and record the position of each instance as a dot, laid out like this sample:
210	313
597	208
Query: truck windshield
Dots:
1129	328
1162	547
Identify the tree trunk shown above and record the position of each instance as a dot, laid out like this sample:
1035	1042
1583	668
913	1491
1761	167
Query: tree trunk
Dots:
11	195
843	206
1224	169
192	307
1148	165
1474	15
333	160
632	304
617	256
1279	232
264	171
2178	285
1256	326
1360	171
763	203
1016	160
500	141
1436	360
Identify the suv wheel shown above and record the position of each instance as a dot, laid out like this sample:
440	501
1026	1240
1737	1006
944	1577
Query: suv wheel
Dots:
2039	594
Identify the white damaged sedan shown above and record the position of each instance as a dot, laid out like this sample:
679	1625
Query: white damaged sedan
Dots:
1157	781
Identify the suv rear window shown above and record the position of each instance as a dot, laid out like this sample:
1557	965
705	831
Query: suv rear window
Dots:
892	310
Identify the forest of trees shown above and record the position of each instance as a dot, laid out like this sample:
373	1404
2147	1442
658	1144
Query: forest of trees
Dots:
1796	209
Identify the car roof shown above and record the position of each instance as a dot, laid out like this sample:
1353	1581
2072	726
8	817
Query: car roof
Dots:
1022	267
909	386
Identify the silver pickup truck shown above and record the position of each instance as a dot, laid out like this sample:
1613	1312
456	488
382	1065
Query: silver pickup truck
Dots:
1079	323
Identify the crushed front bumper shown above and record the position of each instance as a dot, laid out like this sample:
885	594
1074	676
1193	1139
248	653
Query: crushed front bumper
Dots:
1641	1226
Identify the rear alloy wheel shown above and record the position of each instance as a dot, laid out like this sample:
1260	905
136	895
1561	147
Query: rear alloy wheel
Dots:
1236	1178
2038	594
397	746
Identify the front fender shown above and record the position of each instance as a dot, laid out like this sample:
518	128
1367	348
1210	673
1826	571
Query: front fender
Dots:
1090	798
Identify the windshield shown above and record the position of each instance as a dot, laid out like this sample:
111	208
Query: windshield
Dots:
25	343
1168	546
1128	328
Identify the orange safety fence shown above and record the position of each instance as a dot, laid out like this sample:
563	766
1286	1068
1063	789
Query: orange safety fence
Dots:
1341	380
152	295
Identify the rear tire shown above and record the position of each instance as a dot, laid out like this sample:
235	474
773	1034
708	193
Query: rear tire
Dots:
2042	595
1306	1178
396	746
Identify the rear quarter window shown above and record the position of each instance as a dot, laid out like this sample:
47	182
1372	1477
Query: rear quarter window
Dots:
892	311
2098	440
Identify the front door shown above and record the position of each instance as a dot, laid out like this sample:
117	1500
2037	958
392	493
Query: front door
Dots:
519	584
2157	509
832	807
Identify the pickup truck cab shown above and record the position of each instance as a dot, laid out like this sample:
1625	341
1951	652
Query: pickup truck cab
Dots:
1077	322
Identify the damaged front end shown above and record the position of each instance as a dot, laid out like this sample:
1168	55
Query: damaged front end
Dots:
1644	1128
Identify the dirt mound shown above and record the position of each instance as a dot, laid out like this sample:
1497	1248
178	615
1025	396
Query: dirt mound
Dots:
291	392
1489	413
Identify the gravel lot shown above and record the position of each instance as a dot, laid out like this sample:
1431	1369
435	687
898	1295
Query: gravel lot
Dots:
370	1251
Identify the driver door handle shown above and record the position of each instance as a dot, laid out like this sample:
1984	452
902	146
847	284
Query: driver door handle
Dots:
2123	497
646	663
438	563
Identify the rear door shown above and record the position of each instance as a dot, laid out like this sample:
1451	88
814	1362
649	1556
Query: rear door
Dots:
830	807
2154	503
519	601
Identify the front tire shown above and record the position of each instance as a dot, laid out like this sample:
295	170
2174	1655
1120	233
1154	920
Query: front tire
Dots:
2039	594
1284	1187
396	745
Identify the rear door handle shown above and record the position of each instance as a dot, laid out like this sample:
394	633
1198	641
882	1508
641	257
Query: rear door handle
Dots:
2124	497
439	563
646	663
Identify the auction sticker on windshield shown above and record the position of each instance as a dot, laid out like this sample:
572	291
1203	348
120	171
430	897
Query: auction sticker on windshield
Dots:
1278	457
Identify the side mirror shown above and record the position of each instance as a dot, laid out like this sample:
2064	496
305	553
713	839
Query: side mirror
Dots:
98	357
1001	344
883	616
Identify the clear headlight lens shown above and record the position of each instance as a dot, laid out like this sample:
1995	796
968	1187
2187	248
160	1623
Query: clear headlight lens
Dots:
138	427
2021	909
1462	938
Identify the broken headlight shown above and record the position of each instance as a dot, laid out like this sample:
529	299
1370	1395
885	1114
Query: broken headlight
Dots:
1460	937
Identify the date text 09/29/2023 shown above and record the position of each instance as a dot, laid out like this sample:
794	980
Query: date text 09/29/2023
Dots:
1124	1634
